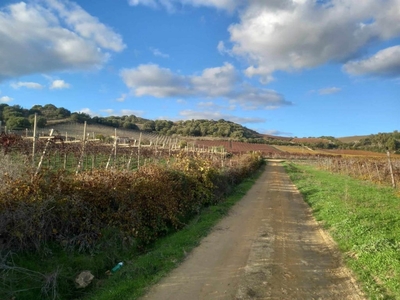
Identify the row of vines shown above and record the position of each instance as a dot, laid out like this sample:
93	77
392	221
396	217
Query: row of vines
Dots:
378	170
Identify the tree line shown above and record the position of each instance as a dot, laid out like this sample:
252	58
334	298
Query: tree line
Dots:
18	118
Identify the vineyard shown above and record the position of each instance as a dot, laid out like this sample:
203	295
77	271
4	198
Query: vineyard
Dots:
69	191
374	169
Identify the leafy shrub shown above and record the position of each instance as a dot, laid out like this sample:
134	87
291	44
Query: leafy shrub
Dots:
72	210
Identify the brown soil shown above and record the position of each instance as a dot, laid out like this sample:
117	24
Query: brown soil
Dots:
268	247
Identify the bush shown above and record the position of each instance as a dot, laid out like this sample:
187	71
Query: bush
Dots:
71	210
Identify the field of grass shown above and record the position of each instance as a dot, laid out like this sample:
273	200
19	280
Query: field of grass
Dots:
350	139
364	221
296	149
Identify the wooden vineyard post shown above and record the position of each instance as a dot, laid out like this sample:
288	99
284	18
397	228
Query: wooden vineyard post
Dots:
369	173
44	153
65	160
359	169
34	140
391	169
155	147
80	162
377	171
138	158
115	147
130	158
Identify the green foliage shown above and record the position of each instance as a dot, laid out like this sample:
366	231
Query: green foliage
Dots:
18	123
80	117
220	128
377	142
149	126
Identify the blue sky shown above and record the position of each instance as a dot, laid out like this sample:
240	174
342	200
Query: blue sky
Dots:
284	67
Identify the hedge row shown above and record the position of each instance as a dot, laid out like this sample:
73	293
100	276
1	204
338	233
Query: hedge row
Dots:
72	210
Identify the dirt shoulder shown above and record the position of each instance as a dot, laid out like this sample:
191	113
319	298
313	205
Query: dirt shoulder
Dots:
268	247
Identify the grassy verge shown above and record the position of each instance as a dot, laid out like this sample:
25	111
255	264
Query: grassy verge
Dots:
58	268
363	219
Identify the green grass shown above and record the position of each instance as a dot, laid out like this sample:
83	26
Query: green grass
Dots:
141	268
363	219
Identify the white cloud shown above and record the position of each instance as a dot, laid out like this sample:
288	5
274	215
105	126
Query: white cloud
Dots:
222	49
29	85
276	132
50	35
329	90
214	82
128	112
384	63
88	111
108	111
157	52
291	35
87	26
215	115
171	5
252	98
59	84
122	98
155	81
5	99
122	112
210	105
181	101
221	82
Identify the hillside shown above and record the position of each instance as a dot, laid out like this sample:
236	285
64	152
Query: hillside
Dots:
16	118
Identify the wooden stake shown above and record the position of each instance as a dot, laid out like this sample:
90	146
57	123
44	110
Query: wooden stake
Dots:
34	140
44	153
391	169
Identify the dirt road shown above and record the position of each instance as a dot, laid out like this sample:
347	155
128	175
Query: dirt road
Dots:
268	247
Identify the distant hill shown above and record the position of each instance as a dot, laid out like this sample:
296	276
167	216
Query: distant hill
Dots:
17	118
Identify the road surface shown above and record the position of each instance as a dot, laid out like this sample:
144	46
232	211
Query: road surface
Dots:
268	247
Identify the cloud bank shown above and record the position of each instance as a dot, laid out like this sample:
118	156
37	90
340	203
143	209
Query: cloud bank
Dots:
52	35
291	35
223	82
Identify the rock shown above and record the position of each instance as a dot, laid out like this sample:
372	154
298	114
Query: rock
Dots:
84	279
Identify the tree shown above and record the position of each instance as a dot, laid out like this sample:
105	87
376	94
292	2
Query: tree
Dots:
18	123
129	125
61	112
41	122
149	126
80	117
